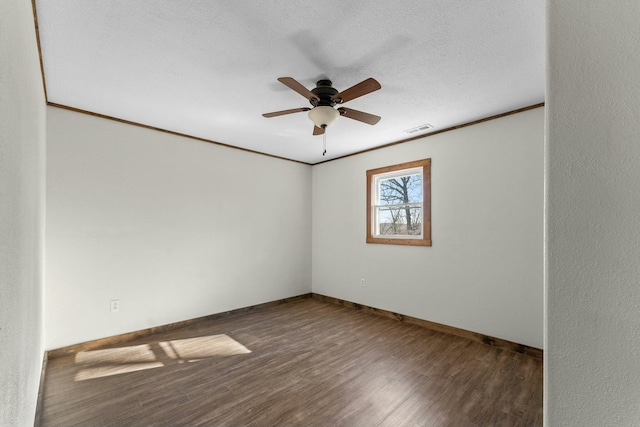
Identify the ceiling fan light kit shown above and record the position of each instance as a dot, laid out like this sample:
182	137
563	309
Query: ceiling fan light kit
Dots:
323	115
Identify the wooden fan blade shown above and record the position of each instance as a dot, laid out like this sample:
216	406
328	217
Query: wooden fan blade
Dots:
356	91
317	130
283	112
293	84
360	116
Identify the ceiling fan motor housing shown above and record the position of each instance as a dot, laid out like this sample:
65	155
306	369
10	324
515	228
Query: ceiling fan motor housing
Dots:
325	91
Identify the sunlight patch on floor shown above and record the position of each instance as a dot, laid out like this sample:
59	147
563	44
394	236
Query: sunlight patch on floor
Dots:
109	370
203	347
121	360
132	354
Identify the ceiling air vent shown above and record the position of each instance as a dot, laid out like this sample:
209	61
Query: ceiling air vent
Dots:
419	128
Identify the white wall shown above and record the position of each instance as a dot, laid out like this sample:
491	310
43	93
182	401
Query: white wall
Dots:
22	155
484	272
172	227
593	221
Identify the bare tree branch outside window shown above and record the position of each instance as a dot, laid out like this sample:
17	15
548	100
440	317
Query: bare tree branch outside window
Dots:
400	218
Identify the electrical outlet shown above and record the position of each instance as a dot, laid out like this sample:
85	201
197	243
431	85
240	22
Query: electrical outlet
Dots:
362	282
115	305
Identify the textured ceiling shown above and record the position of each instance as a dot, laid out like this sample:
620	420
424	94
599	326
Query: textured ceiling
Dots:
208	68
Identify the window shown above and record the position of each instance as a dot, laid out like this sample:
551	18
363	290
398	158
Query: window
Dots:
399	204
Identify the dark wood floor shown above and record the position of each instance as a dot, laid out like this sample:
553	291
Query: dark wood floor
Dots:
304	363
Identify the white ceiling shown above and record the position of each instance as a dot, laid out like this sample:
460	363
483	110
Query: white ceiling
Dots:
208	68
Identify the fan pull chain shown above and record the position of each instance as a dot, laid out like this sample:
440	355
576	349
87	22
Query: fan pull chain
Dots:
324	141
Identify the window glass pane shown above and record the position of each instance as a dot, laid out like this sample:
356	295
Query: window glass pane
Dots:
401	189
404	221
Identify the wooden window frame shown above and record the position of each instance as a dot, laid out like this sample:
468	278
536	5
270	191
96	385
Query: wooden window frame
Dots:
425	164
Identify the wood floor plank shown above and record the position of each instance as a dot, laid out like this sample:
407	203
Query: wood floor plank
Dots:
304	363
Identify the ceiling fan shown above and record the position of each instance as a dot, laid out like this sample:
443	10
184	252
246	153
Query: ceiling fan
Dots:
324	97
